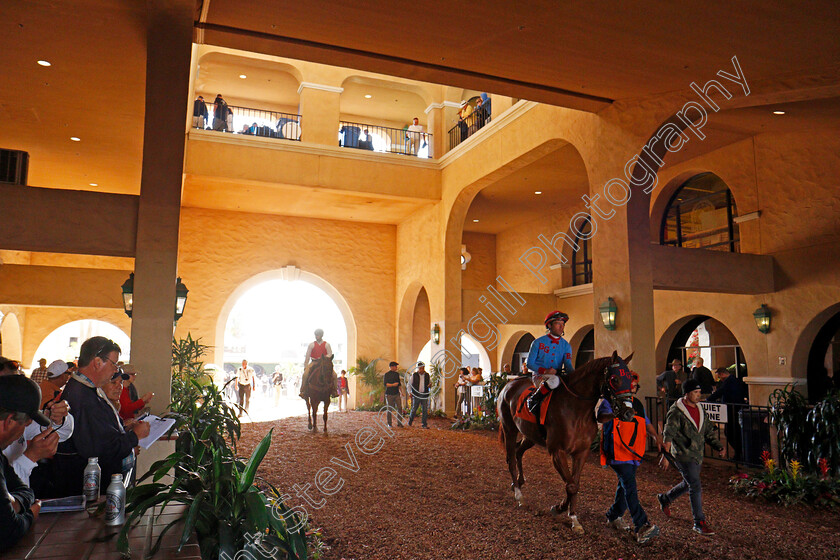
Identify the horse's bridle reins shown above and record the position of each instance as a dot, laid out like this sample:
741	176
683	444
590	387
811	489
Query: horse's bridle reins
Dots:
596	397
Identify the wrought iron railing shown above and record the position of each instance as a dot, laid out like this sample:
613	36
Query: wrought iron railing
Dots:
384	139
253	122
467	126
744	430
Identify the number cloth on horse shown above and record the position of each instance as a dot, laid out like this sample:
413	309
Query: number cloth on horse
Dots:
522	407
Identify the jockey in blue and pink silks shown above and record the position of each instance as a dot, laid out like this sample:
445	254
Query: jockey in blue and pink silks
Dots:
550	357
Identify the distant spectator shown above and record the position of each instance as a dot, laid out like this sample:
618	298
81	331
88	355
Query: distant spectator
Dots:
229	120
19	398
732	392
704	376
463	113
480	114
245	129
199	112
670	382
129	405
461	390
39	373
392	392
524	369
245	383
421	386
220	113
343	391
416	137
367	143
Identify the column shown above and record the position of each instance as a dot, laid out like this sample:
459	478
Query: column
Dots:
168	50
319	109
436	126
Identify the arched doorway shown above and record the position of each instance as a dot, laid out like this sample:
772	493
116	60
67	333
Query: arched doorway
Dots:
520	353
824	361
269	320
705	337
64	342
473	355
586	348
11	343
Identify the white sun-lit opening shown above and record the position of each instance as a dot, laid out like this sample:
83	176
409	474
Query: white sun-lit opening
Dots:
473	355
271	326
65	341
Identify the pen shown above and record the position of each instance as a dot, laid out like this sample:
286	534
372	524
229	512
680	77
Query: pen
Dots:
143	417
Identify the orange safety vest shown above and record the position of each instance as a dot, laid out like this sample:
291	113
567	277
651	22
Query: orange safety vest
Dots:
623	441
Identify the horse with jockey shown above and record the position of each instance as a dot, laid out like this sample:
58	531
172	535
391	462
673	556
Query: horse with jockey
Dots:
315	351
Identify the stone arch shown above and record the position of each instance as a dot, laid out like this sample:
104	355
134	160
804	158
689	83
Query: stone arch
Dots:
409	332
804	343
684	326
506	355
578	337
126	338
11	337
288	273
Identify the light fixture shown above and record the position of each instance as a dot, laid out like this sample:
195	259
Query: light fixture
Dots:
436	334
181	292
475	221
368	96
762	317
537	192
44	63
465	257
94	184
778	112
243	76
608	311
75	139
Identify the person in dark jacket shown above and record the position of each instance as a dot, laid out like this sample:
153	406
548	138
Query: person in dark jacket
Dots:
20	400
98	431
220	114
199	113
703	376
732	392
670	382
421	385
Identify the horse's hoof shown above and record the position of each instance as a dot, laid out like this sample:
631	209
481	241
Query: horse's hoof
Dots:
578	529
554	510
517	494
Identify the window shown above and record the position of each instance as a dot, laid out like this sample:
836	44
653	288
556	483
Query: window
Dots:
700	216
582	257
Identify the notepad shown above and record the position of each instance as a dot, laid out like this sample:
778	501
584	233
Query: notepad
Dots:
158	426
70	503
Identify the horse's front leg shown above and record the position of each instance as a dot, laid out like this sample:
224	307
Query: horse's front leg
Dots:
326	407
308	414
314	418
561	464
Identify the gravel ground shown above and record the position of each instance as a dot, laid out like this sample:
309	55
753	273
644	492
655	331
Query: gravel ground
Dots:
440	494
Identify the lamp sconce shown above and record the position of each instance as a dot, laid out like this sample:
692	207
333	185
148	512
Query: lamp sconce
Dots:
181	292
762	317
608	312
128	295
436	334
465	257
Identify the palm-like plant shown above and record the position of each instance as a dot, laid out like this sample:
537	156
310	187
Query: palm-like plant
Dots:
365	370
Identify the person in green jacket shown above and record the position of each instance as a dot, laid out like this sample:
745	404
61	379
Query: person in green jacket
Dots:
687	430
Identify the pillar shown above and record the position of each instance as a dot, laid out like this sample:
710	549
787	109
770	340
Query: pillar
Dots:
168	50
319	109
436	125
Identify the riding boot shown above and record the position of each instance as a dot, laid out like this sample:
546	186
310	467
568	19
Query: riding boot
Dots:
304	385
535	399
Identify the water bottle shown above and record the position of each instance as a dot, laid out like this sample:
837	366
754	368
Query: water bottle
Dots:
115	501
92	477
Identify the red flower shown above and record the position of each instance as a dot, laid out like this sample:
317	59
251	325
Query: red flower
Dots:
822	464
761	486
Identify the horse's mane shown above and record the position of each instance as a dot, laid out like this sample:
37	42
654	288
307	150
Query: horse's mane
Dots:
589	370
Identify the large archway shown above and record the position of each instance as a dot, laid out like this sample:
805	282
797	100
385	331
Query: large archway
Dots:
269	320
64	342
11	341
701	336
816	355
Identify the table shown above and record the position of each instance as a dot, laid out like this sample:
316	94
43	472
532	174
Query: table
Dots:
79	536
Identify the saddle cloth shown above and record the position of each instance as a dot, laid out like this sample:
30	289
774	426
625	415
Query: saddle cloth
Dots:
522	406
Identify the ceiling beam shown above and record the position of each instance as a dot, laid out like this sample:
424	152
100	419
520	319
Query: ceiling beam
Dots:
38	286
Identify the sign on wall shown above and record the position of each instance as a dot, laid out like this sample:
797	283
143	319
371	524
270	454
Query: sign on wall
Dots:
716	412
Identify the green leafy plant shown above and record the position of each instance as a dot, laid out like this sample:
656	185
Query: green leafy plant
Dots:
807	433
789	486
365	371
476	421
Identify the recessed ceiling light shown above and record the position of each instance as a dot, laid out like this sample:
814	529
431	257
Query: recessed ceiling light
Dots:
368	96
778	112
44	63
243	76
75	139
537	192
94	184
476	221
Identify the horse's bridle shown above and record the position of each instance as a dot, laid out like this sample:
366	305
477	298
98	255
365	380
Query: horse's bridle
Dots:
602	393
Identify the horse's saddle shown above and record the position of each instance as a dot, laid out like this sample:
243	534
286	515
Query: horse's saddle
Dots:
522	406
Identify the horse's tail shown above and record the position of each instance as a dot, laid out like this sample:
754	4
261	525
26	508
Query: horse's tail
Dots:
503	413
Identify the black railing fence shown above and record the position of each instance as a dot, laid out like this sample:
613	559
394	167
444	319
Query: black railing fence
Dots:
469	125
251	121
384	139
744	430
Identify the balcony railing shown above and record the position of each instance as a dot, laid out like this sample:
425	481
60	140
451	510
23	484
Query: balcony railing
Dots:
468	126
384	139
253	122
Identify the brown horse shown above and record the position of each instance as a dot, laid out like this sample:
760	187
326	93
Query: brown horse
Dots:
569	424
319	390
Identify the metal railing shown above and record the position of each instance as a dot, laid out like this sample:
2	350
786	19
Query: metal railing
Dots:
744	430
468	126
384	139
252	122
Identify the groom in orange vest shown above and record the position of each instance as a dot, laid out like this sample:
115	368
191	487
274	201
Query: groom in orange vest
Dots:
317	349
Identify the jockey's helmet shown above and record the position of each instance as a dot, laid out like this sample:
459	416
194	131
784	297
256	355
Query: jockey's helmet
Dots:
555	316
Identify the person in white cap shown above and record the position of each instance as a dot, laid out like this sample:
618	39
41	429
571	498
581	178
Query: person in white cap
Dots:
58	373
